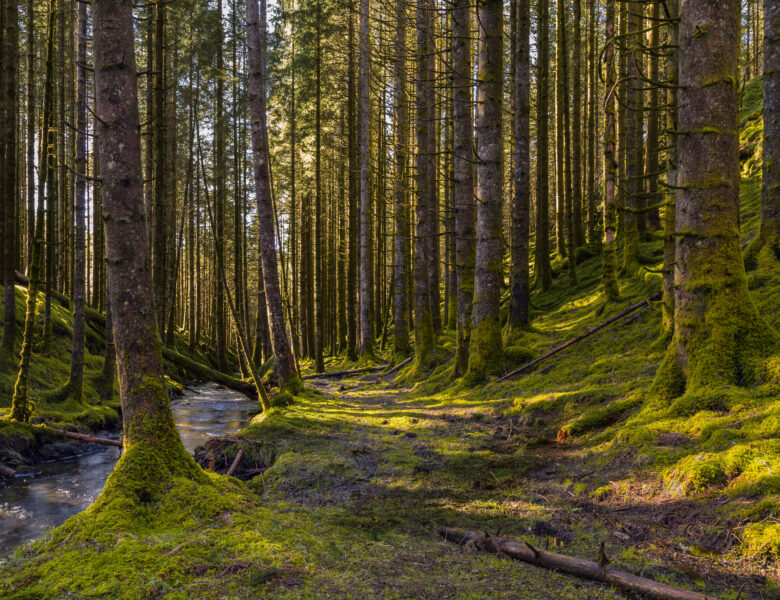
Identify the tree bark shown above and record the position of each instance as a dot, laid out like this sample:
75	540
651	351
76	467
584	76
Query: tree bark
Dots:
423	319
285	364
21	408
149	430
365	342
463	173
611	290
542	266
486	352
76	378
769	235
521	210
401	346
9	171
719	336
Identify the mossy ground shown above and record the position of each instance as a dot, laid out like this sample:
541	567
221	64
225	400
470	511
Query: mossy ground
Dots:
573	453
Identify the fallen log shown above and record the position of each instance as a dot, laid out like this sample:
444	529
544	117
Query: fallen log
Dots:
88	438
586	569
582	336
398	367
7	471
344	373
204	372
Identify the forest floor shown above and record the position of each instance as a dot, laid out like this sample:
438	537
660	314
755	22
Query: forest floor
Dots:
356	476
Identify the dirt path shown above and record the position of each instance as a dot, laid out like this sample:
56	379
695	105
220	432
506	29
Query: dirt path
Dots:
394	467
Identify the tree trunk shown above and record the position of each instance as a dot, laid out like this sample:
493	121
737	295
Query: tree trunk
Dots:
521	211
463	173
285	364
21	408
719	336
423	319
79	267
352	151
9	171
769	235
365	343
320	258
486	352
611	290
577	146
634	138
651	160
667	269
219	198
149	430
401	240
542	266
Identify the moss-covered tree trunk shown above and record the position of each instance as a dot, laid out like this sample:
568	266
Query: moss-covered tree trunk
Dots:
21	407
463	173
486	352
667	268
285	364
152	443
769	235
611	290
542	266
423	319
719	336
401	239
521	209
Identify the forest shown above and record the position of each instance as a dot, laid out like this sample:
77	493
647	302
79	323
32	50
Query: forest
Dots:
387	299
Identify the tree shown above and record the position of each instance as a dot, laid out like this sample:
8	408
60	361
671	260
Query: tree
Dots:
719	336
769	234
285	363
611	290
521	209
542	266
9	171
401	240
149	430
75	381
423	319
21	407
486	352
365	342
463	173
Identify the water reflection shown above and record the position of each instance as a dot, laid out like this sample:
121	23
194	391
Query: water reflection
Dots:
30	505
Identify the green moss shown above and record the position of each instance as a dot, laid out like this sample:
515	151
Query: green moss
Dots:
486	356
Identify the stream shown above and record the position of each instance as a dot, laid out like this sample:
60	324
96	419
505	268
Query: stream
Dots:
60	489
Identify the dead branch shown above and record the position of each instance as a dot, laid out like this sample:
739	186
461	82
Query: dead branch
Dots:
582	336
567	564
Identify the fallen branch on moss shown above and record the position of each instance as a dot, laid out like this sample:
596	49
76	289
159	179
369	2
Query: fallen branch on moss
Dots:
7	471
568	564
398	367
88	438
582	336
344	373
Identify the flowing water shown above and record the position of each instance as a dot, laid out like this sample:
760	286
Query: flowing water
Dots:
29	505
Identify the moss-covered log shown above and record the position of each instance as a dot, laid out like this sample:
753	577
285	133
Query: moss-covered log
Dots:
201	370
